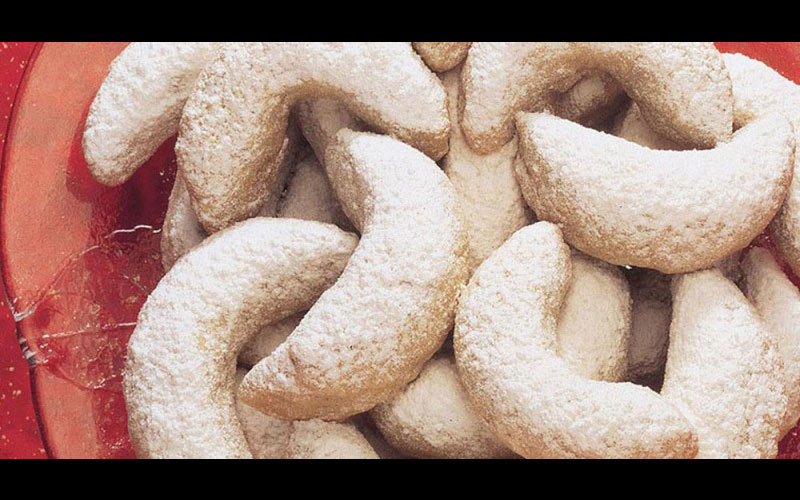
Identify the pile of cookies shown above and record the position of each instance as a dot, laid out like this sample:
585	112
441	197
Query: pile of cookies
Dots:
334	292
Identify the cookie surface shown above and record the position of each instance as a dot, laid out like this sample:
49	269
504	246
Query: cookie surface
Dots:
683	89
672	211
505	343
179	374
390	311
235	120
723	369
139	105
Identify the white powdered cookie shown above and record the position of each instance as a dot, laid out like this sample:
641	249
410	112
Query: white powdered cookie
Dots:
682	88
234	122
315	439
777	300
723	369
267	437
673	211
309	196
390	311
179	374
490	198
433	418
139	105
594	324
505	343
182	230
757	91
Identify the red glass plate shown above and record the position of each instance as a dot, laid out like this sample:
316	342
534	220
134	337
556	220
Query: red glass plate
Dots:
78	259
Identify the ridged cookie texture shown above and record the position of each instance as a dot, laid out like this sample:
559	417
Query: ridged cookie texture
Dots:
235	119
505	344
672	211
442	56
682	88
777	300
759	90
433	417
390	311
179	373
139	105
723	369
318	440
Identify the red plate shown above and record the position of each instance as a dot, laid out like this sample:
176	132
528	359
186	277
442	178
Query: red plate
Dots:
79	259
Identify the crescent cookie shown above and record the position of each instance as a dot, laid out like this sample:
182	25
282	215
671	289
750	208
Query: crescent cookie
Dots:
682	88
777	300
673	211
759	90
321	119
267	437
433	418
182	230
486	185
235	120
179	374
723	370
505	344
390	311
442	56
318	440
139	105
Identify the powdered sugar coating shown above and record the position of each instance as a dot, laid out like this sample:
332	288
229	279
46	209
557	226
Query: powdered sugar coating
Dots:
139	105
268	339
486	185
759	90
390	311
267	437
433	417
505	343
594	323
234	121
723	369
321	119
673	211
315	439
179	374
442	56
682	88
777	300
309	196
182	230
